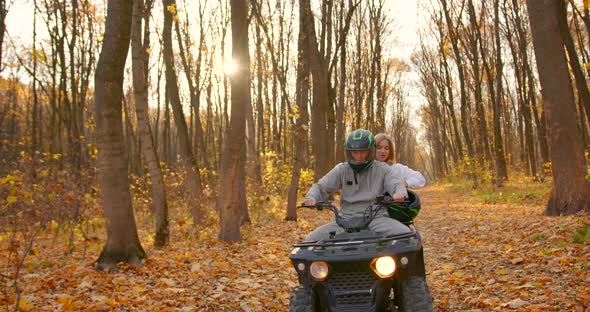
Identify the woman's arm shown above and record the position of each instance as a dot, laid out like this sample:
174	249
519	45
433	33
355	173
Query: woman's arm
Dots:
413	178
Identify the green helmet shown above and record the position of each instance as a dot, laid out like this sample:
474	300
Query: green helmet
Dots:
405	212
360	140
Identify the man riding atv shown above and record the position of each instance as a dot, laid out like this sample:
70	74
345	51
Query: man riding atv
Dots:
360	180
366	260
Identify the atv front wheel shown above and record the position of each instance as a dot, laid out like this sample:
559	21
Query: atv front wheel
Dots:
415	296
302	300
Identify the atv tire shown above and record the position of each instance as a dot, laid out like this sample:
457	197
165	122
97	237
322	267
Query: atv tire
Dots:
415	296
302	300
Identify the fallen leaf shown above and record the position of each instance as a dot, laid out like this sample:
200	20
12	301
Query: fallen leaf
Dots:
24	305
516	304
99	298
168	282
525	286
85	284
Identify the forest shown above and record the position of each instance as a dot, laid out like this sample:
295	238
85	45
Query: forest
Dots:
154	153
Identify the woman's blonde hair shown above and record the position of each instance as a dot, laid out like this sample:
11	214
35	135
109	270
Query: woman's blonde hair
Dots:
380	137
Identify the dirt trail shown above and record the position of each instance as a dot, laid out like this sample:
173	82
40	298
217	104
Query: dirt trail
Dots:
478	258
502	257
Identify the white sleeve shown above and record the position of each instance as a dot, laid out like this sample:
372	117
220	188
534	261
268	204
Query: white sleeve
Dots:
414	178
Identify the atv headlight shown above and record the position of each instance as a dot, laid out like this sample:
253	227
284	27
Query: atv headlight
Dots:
319	270
384	266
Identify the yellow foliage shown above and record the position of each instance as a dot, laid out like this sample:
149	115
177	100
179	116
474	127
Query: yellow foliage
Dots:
8	179
24	305
171	8
10	200
469	167
276	176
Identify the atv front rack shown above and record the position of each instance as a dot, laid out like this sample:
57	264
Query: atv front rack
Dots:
355	240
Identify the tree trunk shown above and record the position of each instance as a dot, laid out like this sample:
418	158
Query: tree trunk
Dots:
301	129
193	178
450	105
35	136
75	104
358	90
3	13
253	159
539	121
201	145
229	214
499	158
375	105
259	84
448	100
527	93
462	88
279	117
580	80
482	150
571	192
323	117
194	91
242	197
130	138
122	240
166	132
140	87
340	103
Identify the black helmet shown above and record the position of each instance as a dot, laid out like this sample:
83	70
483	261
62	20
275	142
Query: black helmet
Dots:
405	212
360	140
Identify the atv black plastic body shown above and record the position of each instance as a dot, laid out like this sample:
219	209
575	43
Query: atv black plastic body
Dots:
352	285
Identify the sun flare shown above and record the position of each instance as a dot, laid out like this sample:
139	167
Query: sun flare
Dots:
230	67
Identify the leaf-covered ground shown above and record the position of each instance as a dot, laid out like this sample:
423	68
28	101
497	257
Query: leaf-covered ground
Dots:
479	257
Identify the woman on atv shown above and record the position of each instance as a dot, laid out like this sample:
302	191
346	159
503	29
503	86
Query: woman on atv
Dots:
384	152
360	180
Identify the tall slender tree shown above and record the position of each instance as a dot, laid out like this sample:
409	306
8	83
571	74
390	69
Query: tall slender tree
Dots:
499	158
301	128
193	178
323	112
140	90
229	214
571	191
580	80
3	13
454	39
122	240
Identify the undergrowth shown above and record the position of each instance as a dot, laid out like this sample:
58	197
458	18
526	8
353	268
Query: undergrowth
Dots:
518	189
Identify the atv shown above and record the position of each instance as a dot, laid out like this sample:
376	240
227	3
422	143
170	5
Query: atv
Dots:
360	270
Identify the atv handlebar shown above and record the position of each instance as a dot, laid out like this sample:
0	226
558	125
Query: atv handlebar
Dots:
357	222
389	200
380	200
320	206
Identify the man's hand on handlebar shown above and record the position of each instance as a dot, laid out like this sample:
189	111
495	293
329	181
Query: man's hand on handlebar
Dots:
399	197
309	202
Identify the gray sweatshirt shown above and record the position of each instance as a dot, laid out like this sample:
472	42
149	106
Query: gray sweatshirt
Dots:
358	190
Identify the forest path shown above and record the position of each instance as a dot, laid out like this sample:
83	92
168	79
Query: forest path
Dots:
482	257
479	257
